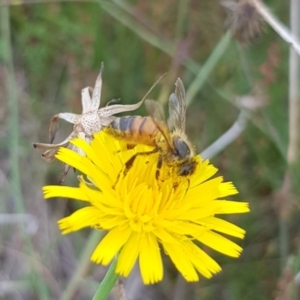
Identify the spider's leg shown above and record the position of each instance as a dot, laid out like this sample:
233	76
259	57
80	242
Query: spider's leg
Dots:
54	123
96	98
86	100
113	101
64	172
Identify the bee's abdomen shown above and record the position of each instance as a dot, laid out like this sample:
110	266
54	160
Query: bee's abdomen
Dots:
124	124
135	130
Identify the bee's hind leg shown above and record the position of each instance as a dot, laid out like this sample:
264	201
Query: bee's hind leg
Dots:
129	163
131	160
158	167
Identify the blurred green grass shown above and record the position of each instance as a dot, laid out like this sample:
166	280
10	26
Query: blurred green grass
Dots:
57	49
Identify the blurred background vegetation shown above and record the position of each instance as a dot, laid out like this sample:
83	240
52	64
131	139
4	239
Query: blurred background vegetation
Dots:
50	50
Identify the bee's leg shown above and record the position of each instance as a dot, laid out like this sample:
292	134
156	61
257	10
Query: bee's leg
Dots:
188	186
129	163
113	101
131	160
158	166
130	146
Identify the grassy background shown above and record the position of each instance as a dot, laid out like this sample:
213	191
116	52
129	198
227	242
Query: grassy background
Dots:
56	50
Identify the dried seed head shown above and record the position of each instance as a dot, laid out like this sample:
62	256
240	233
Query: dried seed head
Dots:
245	22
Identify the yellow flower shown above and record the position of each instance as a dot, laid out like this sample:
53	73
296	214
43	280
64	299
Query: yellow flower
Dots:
143	215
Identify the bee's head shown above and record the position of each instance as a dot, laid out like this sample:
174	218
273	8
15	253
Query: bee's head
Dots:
187	168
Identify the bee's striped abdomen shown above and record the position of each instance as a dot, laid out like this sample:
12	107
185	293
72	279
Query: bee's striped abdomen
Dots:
135	130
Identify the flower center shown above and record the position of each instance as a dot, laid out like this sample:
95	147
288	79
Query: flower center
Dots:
141	223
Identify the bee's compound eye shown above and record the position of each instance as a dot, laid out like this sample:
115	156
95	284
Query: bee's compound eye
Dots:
181	147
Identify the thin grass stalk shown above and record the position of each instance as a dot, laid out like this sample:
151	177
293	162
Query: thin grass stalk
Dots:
13	118
266	127
293	144
13	134
289	36
294	122
227	138
82	265
292	155
208	66
175	65
181	18
294	103
245	65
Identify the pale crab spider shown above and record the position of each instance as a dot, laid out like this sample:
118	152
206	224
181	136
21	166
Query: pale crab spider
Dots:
91	120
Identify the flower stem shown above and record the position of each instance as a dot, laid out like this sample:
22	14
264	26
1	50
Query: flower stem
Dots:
107	283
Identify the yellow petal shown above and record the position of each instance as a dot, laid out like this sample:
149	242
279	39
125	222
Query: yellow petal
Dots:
84	217
110	245
223	226
107	201
204	192
181	260
72	159
227	189
197	213
51	191
129	254
89	152
232	207
150	260
203	172
220	243
183	227
203	263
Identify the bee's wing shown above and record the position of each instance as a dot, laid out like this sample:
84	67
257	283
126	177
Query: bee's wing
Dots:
177	106
156	111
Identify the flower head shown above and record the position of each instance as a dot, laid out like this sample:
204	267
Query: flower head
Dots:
144	216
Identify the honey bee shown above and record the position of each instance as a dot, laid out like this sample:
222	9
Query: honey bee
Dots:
171	142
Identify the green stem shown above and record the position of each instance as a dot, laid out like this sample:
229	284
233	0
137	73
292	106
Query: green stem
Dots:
181	18
207	68
13	118
107	283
